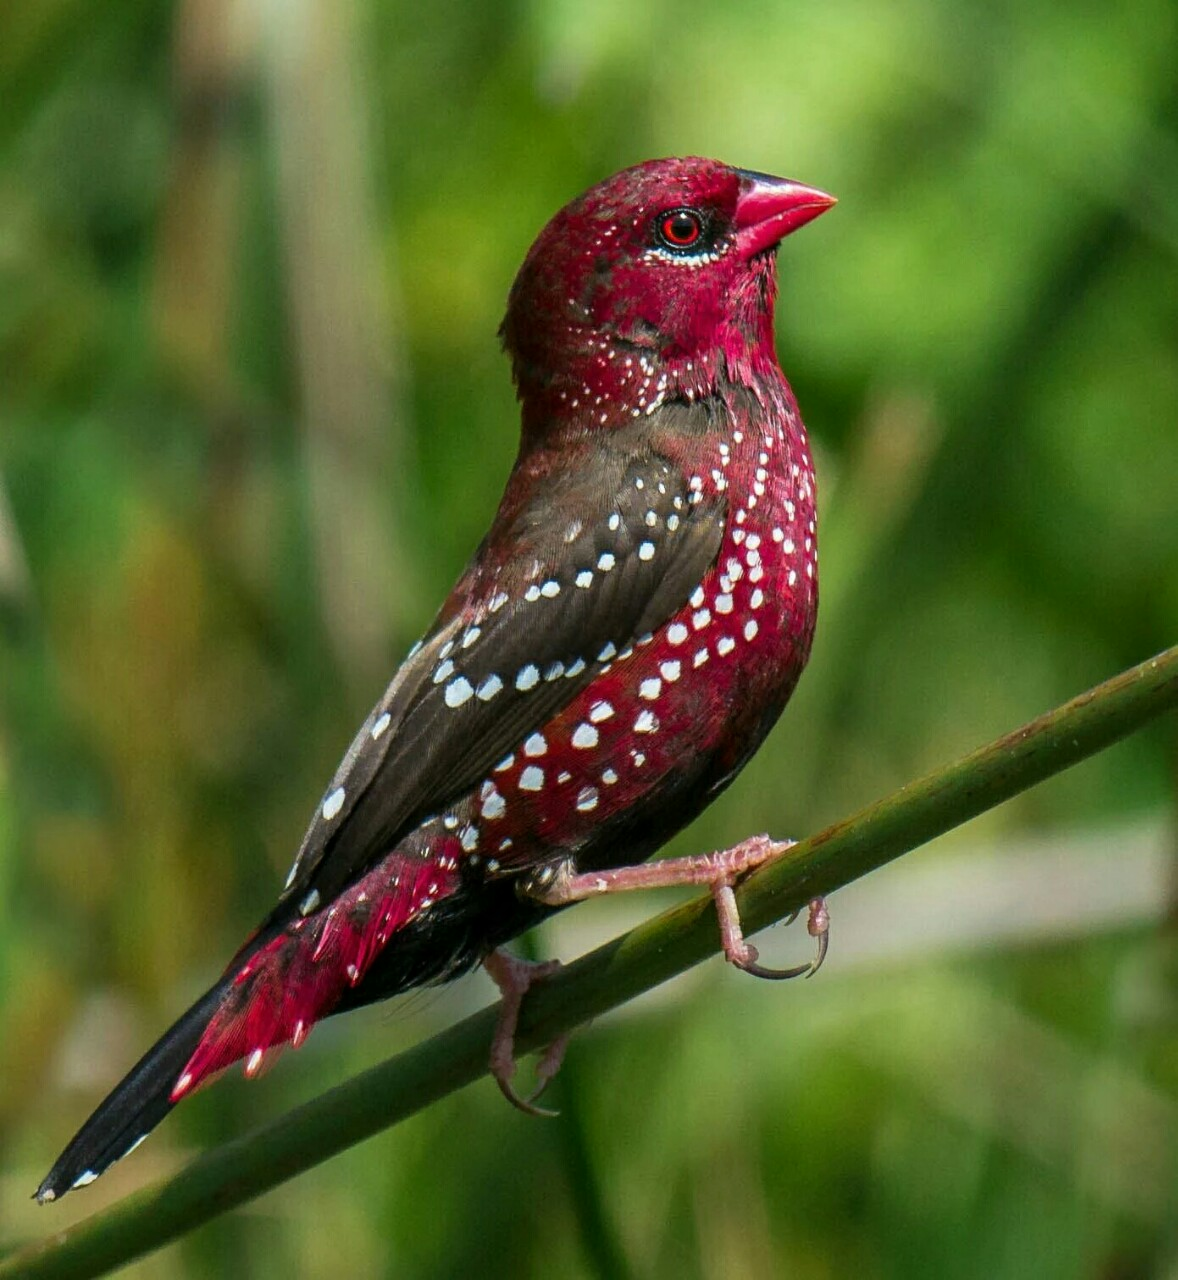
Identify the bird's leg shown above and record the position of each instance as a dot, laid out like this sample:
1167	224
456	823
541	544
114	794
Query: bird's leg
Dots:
557	886
513	977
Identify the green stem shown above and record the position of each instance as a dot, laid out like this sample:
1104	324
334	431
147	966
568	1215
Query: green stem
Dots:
655	951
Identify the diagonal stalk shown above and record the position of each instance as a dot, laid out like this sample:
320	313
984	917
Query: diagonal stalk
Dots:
657	950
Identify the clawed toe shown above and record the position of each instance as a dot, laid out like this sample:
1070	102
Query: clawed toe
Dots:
546	1070
744	955
514	977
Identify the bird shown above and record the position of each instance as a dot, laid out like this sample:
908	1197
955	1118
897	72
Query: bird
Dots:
624	637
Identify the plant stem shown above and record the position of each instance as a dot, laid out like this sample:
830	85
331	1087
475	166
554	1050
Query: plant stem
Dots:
616	972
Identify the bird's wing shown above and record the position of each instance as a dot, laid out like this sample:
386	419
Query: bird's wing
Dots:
518	638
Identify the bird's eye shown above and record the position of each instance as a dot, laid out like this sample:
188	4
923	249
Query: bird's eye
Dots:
680	229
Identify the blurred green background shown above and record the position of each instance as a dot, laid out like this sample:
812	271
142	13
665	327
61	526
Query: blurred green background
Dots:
253	418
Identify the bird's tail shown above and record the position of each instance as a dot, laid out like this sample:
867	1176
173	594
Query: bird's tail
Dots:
286	978
137	1104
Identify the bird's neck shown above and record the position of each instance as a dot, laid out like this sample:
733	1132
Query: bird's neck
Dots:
611	382
589	374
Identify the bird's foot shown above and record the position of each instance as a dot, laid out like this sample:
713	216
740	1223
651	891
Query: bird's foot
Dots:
514	977
720	871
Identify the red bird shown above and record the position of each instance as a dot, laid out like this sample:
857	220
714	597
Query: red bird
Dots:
625	636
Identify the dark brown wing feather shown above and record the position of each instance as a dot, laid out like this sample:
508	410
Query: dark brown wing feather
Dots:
591	575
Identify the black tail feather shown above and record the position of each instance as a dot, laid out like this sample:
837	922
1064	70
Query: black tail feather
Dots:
134	1107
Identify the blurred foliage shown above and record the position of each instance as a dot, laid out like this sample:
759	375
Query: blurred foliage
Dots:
252	421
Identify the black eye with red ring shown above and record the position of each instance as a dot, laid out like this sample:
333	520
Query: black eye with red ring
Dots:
681	230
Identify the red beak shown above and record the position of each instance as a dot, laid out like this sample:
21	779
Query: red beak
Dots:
769	208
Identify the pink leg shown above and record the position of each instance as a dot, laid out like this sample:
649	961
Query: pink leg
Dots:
719	871
513	977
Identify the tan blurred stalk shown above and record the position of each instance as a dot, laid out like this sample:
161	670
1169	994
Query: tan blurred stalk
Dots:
193	292
197	242
300	57
14	571
353	419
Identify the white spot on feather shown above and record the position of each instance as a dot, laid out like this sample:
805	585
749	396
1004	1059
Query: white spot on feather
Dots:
459	691
646	722
489	688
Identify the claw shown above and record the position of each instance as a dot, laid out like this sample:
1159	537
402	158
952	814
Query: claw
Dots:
546	1069
775	975
526	1105
514	977
744	955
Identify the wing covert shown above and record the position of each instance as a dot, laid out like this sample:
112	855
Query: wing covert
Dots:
516	640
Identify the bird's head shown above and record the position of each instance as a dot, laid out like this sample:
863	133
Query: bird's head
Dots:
654	283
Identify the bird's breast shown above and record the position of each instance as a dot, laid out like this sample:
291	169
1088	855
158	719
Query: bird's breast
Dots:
752	619
690	702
